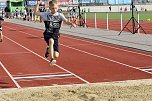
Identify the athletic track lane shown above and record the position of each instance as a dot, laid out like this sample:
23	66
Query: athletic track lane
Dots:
81	60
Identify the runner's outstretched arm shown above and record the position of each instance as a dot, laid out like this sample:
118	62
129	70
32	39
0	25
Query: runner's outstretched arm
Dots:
69	23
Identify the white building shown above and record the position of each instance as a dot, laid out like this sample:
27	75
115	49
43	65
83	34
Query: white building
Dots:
2	3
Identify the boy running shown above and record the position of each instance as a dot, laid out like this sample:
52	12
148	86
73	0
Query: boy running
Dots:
52	20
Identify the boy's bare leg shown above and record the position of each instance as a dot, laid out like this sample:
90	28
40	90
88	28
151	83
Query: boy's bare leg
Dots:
51	50
56	54
51	43
1	37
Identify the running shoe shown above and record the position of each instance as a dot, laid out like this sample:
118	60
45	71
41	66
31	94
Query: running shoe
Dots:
47	53
52	61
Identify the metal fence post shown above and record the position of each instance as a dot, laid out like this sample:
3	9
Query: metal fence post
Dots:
138	22
95	20
121	21
85	18
107	21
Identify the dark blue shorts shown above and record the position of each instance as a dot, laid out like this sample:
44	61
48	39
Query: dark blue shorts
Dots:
47	37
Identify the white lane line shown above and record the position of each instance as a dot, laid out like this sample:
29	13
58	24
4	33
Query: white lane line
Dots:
47	60
22	32
147	69
150	69
43	57
92	43
117	62
47	79
109	46
95	56
43	76
9	74
39	74
98	55
89	44
9	53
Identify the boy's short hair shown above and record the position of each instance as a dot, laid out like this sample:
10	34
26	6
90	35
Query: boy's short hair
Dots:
53	2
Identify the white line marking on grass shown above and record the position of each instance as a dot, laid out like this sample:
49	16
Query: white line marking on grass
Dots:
9	74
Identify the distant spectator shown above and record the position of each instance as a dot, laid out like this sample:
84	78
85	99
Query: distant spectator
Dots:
17	13
31	14
142	9
125	9
25	14
121	9
41	9
110	8
7	11
2	12
136	9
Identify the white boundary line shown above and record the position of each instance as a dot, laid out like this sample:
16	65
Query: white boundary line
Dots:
9	74
43	57
47	60
83	52
109	46
96	43
39	74
15	53
147	69
97	55
44	76
150	69
90	42
50	78
105	58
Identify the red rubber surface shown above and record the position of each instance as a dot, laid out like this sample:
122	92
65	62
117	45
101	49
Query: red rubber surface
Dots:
84	61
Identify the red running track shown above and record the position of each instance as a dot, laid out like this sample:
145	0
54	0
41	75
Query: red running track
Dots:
81	60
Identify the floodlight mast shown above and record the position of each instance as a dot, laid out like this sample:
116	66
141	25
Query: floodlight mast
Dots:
134	29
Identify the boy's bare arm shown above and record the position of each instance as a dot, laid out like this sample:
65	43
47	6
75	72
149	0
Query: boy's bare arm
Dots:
70	23
36	11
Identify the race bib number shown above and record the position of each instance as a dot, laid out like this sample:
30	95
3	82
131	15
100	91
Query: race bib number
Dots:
56	25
